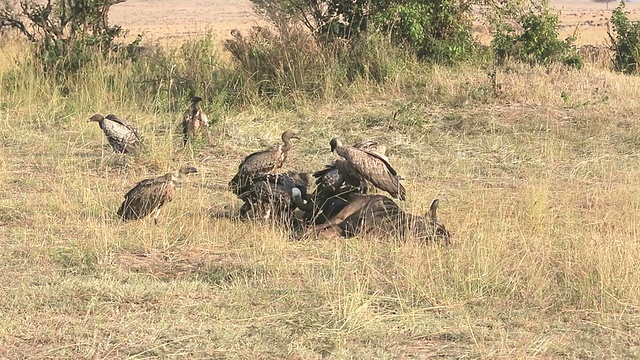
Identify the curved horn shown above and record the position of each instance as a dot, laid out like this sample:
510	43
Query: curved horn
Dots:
431	214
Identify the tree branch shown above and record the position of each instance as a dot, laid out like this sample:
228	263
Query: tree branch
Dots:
9	20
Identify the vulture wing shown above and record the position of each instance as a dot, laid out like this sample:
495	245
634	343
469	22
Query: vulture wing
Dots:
147	196
125	124
373	168
259	162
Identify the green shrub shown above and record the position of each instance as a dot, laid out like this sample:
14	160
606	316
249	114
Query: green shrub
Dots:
438	31
625	41
534	39
278	65
435	30
287	64
68	34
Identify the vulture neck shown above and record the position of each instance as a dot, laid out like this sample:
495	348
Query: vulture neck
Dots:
195	107
309	205
287	144
340	150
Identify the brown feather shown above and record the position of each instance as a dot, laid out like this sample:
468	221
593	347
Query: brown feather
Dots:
147	196
262	162
193	119
371	167
151	194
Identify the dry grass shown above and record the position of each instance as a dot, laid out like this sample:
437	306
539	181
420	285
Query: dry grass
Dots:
537	186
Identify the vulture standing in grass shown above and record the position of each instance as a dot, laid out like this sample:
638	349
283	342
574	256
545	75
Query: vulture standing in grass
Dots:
193	119
262	162
122	136
149	195
368	166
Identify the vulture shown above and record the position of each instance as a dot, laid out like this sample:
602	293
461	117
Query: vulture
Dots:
122	136
368	166
193	119
271	194
149	195
331	179
262	162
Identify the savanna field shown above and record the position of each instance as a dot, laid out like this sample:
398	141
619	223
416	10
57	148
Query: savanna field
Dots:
537	175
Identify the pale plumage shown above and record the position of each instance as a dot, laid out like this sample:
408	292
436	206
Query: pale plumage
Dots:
262	162
370	167
193	120
149	195
122	136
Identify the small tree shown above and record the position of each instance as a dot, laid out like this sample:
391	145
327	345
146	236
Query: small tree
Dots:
624	41
533	37
439	30
66	33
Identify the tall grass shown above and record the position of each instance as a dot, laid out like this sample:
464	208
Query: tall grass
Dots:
536	184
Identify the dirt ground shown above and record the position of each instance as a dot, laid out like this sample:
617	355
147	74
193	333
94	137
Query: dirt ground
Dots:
166	21
170	20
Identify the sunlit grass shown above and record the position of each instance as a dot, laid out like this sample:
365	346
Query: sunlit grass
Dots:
537	186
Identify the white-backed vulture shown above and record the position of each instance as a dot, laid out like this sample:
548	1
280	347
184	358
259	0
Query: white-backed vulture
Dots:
262	162
122	136
369	166
149	195
193	119
269	195
336	175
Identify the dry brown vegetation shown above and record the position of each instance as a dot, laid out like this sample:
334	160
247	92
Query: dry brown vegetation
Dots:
538	186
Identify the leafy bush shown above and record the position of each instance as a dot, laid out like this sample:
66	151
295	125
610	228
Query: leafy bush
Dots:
332	18
67	33
276	65
436	30
534	39
625	42
439	30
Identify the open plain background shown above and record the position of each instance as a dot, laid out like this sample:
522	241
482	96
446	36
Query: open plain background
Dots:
538	185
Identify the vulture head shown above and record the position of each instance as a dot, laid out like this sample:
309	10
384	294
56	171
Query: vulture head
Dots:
96	118
288	135
185	170
335	143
